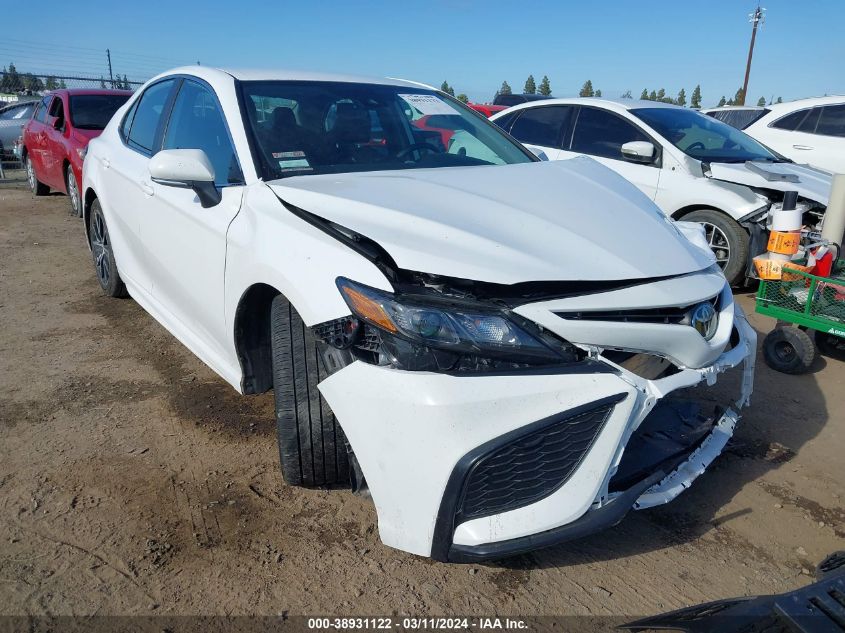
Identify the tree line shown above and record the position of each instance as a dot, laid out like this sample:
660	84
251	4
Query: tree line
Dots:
12	82
587	90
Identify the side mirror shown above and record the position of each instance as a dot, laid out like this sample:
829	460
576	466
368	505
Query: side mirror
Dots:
189	169
538	153
55	122
638	151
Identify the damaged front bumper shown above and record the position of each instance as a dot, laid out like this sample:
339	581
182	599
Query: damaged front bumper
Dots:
473	467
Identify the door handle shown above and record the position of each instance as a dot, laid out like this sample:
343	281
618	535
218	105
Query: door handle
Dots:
106	162
802	147
147	188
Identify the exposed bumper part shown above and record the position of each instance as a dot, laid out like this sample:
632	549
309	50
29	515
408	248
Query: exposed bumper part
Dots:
418	435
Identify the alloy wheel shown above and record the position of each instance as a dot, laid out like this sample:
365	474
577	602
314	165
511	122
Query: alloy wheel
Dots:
718	242
101	249
73	192
30	173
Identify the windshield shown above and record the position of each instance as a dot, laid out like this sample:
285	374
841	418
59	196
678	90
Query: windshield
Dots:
93	112
703	137
310	127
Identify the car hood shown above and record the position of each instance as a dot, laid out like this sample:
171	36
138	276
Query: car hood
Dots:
545	221
810	183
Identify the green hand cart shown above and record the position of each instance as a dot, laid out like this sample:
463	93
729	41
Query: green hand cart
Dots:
803	302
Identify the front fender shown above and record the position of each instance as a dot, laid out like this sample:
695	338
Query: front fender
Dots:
268	244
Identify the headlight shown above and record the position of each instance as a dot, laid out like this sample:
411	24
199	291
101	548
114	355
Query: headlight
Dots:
435	333
82	152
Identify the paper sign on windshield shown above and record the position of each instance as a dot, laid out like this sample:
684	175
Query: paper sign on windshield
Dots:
429	104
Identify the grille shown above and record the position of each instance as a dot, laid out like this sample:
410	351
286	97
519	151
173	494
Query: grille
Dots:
670	315
531	466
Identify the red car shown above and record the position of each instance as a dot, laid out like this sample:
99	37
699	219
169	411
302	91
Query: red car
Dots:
487	109
56	138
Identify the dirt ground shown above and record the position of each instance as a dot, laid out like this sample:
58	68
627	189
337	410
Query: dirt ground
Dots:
135	481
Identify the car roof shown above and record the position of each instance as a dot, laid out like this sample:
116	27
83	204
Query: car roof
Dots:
617	105
733	107
259	74
809	102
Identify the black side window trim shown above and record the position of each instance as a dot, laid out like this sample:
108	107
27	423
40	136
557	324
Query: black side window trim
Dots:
658	147
168	109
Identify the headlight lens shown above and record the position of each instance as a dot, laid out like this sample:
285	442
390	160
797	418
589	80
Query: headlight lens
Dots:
416	324
82	152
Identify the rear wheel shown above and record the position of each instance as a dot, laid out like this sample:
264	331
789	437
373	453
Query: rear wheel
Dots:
37	187
101	251
312	446
728	241
789	350
73	192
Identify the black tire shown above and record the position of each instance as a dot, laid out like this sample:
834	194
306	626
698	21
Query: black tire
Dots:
728	240
830	345
37	187
789	350
73	192
312	446
103	254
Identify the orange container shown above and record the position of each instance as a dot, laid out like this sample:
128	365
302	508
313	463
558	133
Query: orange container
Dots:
789	266
784	243
769	269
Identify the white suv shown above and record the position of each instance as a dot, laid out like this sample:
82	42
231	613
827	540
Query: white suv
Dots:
694	167
438	322
810	131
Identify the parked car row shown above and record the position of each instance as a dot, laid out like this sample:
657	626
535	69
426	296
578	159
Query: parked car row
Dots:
56	137
692	166
481	339
807	130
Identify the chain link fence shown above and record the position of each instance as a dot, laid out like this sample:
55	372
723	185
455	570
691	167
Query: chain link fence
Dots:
17	88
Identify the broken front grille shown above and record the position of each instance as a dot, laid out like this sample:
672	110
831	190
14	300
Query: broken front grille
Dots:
531	466
675	315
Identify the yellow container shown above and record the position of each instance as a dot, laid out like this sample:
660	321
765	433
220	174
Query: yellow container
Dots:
784	242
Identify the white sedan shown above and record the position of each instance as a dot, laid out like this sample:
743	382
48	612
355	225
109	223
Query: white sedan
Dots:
810	131
438	322
692	166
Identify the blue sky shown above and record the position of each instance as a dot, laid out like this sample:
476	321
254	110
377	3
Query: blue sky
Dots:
474	45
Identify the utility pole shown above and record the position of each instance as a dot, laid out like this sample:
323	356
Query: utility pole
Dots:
755	18
111	77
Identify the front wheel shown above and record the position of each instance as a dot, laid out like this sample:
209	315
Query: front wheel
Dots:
37	187
312	446
103	254
73	192
728	241
789	350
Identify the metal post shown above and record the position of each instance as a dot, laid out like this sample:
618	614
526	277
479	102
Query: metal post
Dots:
756	18
111	77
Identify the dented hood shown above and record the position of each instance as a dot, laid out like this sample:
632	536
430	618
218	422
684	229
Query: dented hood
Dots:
547	221
810	183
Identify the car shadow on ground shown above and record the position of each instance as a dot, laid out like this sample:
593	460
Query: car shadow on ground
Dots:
786	412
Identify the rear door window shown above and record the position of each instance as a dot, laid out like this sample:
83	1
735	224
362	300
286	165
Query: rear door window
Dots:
832	121
810	121
543	125
145	123
41	113
600	133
